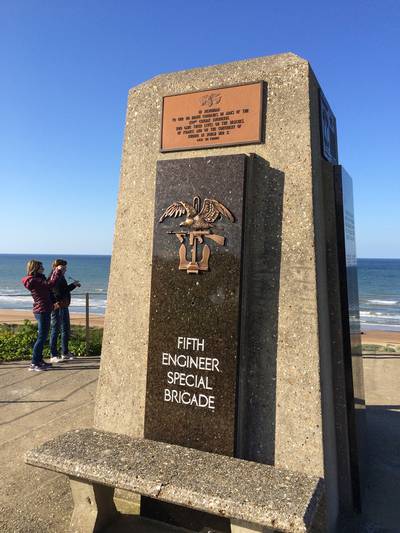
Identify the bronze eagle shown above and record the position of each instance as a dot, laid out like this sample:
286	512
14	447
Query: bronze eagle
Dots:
197	219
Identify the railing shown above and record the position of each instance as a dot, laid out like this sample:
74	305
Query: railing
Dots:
75	294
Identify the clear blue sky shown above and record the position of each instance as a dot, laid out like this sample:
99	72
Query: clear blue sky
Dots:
67	66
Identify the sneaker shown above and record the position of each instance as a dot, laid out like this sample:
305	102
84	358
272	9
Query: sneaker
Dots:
38	368
67	356
56	359
45	365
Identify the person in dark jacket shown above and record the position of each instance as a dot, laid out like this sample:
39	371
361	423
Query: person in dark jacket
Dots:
40	288
60	320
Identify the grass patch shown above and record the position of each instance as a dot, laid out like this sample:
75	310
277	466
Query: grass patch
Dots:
16	341
381	348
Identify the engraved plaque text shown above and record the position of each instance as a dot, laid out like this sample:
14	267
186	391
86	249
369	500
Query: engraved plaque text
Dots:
217	117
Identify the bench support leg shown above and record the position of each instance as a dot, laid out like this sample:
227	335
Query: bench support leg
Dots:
94	506
238	526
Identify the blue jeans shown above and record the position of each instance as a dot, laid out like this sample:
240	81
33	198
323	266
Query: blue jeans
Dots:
59	322
43	320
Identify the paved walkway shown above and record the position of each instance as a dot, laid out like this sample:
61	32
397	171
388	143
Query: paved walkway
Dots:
381	506
35	407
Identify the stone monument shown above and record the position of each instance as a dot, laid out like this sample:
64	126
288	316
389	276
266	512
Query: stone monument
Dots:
227	319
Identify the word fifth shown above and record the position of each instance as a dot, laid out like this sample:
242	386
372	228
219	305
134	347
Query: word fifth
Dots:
190	343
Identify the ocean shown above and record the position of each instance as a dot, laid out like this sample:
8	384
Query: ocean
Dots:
378	279
91	270
379	293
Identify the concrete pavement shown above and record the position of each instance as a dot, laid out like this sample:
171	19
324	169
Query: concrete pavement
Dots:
35	407
381	504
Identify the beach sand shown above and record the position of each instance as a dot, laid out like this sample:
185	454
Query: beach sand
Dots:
16	316
380	337
383	339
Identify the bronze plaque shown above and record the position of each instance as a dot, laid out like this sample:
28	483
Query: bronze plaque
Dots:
217	117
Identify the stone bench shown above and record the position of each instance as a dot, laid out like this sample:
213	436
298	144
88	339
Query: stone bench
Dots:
253	496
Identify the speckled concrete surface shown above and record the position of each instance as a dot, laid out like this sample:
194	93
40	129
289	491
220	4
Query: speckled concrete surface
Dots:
35	407
29	416
296	439
265	495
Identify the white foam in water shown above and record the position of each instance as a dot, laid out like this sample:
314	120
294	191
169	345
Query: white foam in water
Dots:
27	300
386	327
383	302
394	318
377	315
96	305
22	303
81	302
8	291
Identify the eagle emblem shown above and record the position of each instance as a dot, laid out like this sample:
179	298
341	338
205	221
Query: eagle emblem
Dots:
200	218
210	99
196	218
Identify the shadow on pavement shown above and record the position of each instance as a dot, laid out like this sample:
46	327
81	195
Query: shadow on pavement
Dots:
381	504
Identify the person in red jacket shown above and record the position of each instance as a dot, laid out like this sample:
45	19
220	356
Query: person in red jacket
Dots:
40	288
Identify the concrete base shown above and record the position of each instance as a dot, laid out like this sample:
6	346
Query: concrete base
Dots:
94	507
127	502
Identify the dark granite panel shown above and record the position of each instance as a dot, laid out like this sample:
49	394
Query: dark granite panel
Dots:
352	349
195	313
329	147
194	317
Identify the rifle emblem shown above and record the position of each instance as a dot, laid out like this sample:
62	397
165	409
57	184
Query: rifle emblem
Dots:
199	221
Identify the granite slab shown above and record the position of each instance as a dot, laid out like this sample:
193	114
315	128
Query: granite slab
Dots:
194	319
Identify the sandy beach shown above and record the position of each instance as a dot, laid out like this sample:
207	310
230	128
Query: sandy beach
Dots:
386	340
16	316
380	337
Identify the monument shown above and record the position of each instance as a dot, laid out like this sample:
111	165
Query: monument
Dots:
227	323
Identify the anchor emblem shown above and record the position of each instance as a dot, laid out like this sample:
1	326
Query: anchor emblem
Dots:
200	220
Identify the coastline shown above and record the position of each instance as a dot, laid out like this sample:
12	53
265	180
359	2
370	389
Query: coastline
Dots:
18	316
381	338
387	341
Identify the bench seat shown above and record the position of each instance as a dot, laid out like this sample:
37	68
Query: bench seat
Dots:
244	491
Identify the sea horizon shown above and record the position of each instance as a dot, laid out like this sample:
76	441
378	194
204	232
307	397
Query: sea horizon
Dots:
91	270
378	282
55	255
